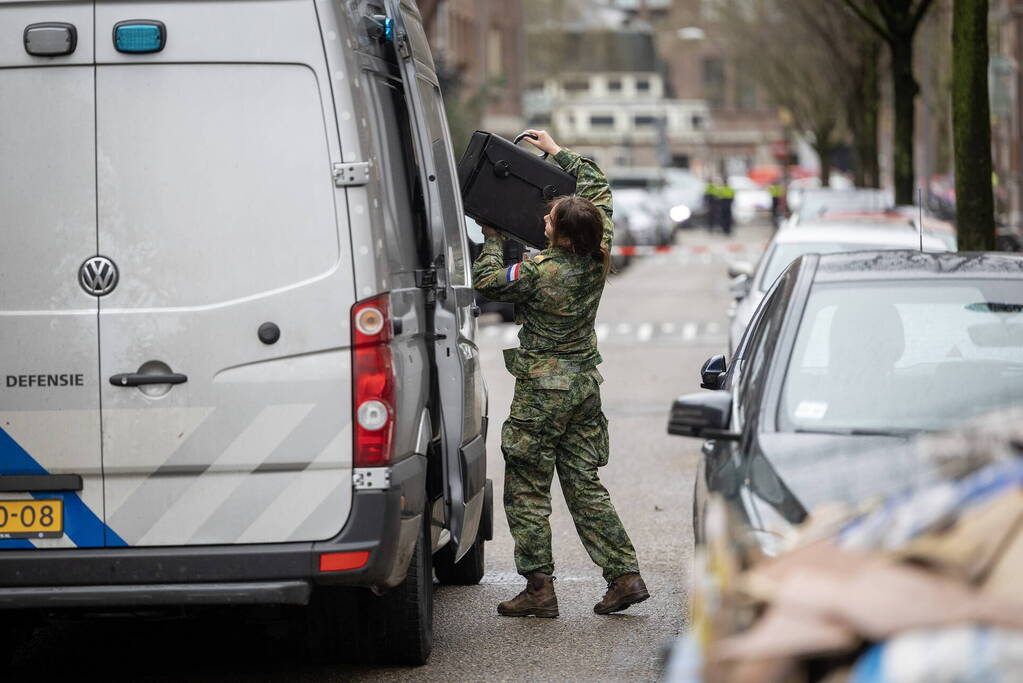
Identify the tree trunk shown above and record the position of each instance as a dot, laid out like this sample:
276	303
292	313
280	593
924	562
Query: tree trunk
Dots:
863	113
867	142
906	89
824	147
971	123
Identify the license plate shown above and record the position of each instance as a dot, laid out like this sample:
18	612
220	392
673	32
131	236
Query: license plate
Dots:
31	518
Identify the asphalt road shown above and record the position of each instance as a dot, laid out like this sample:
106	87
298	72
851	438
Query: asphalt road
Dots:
659	320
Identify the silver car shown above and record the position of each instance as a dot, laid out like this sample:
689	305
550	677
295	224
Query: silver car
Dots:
749	283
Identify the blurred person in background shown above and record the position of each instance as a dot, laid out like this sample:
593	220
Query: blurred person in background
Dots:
556	421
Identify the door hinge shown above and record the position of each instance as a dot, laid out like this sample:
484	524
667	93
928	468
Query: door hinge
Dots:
426	278
351	174
404	47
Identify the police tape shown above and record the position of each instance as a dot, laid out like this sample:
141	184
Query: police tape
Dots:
649	250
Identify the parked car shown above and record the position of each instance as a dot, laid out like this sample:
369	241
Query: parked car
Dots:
648	221
848	352
855	233
291	409
750	198
684	192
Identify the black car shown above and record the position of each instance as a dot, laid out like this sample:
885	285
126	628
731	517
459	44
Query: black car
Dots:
851	353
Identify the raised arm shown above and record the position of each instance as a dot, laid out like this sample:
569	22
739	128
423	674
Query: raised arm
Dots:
590	181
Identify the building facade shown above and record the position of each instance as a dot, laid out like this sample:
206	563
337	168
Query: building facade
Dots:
744	129
478	44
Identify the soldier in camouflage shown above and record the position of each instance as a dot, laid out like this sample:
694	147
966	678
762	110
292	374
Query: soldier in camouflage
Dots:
556	421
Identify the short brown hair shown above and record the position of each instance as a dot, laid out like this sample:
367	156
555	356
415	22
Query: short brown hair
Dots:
580	223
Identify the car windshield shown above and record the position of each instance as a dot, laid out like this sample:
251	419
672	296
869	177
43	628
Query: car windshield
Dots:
904	356
783	254
823	202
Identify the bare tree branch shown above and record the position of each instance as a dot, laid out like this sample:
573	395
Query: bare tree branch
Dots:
885	34
921	10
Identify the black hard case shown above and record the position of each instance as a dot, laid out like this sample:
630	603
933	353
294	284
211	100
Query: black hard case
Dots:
507	187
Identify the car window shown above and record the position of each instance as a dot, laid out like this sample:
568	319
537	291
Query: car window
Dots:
756	350
783	254
904	356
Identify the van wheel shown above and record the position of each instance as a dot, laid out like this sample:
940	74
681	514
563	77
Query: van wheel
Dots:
354	625
404	614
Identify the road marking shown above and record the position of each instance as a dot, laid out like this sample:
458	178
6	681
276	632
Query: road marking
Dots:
602	331
689	331
645	331
712	328
622	329
667	328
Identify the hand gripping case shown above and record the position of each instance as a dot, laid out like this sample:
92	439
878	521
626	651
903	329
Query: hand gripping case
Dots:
508	187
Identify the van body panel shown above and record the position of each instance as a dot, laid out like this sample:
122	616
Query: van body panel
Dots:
49	399
226	220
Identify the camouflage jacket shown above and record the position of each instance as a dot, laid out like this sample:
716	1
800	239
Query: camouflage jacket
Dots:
557	292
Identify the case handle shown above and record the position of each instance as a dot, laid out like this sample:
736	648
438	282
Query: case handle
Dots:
530	135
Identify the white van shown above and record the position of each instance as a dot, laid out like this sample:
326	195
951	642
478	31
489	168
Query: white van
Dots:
236	316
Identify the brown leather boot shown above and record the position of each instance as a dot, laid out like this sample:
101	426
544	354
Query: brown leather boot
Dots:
538	598
627	589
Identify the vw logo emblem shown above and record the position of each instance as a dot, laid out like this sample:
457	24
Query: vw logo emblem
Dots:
98	276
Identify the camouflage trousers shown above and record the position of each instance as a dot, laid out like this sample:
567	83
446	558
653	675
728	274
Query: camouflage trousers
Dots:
556	423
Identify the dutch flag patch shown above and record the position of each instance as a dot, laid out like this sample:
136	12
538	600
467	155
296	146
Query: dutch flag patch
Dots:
512	274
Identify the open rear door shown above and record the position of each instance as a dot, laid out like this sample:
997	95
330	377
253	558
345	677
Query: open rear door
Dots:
460	385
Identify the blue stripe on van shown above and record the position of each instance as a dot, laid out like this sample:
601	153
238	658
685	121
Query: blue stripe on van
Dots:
81	524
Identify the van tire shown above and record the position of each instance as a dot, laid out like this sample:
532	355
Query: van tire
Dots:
403	616
353	625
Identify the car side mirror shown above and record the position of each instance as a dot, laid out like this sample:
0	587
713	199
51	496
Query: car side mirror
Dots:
704	416
740	287
712	374
737	268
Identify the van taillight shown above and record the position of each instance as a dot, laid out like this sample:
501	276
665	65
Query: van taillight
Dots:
373	380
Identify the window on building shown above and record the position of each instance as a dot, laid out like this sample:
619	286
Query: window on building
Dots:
643	85
535	86
696	122
711	10
539	120
601	121
615	85
745	92
495	57
576	86
644	120
714	82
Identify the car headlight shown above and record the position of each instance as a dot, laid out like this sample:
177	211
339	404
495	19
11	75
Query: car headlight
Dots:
680	213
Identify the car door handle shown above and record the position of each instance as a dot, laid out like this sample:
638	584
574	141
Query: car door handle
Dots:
138	379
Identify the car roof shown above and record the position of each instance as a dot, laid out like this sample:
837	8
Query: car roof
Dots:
901	233
908	265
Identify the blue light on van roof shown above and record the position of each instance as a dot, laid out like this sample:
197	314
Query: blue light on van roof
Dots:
389	29
140	37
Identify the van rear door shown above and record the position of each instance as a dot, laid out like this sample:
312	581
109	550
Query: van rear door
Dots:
460	382
49	401
217	202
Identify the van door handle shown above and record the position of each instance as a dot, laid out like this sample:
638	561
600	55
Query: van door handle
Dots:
138	379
